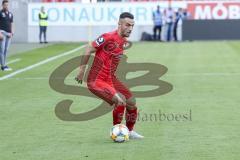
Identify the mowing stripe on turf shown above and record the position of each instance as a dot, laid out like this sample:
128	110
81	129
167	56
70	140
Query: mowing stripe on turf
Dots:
203	74
41	63
170	75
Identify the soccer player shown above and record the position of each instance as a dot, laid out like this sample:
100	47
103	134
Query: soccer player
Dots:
102	81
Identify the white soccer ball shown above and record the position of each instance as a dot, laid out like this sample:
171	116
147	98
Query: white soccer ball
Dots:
119	133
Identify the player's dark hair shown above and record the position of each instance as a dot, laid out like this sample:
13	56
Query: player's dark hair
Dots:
126	15
4	1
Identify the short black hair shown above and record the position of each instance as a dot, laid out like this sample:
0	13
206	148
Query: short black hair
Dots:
4	1
126	15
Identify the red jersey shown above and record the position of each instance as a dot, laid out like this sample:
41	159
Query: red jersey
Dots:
109	50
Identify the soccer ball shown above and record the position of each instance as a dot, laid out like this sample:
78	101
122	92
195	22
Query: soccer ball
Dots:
119	133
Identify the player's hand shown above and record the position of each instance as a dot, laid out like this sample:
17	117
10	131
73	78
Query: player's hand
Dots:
9	35
120	101
78	80
79	77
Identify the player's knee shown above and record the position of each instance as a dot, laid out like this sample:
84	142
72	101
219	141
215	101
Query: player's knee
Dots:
131	107
131	103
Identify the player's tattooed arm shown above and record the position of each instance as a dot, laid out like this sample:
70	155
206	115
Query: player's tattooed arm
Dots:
84	61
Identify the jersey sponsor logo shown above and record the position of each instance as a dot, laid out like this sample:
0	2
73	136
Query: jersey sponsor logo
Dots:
99	41
110	46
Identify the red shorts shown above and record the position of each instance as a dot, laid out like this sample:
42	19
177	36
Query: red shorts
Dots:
107	89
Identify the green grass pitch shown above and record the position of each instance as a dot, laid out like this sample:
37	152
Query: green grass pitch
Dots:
206	90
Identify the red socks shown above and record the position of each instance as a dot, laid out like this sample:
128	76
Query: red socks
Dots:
118	112
131	117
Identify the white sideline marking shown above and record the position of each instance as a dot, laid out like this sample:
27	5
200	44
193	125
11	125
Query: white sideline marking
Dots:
40	63
14	61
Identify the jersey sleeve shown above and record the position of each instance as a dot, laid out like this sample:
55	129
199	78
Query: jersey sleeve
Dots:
100	41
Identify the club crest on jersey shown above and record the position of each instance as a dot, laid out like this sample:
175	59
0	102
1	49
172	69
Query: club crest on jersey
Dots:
100	41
